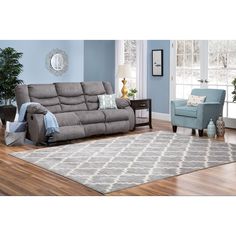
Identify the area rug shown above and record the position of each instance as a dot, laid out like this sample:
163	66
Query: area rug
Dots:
111	164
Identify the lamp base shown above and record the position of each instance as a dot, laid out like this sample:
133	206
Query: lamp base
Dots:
124	89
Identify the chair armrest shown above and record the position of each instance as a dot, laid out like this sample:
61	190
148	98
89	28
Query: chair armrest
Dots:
174	104
179	102
36	109
211	106
207	111
122	103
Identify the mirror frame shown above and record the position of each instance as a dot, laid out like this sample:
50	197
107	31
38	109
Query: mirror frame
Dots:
49	65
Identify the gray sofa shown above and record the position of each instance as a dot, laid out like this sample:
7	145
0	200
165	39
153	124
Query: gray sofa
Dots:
75	106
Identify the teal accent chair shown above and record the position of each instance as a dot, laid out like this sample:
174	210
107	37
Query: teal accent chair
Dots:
198	117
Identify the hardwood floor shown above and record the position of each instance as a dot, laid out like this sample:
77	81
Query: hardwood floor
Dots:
18	177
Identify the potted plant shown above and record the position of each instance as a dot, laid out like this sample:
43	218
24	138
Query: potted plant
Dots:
234	92
10	68
132	93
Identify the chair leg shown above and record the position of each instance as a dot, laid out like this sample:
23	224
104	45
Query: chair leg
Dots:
174	127
200	132
193	131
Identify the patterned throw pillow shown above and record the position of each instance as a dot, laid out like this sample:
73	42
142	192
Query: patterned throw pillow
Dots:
195	100
107	101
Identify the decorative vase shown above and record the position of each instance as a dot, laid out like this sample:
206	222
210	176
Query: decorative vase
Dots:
211	129
220	127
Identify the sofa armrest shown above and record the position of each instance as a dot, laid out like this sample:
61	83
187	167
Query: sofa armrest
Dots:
36	128
36	109
122	103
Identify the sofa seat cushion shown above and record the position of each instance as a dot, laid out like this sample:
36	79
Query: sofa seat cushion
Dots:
112	115
91	117
69	133
67	119
186	111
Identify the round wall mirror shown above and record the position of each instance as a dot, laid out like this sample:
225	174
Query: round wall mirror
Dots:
57	62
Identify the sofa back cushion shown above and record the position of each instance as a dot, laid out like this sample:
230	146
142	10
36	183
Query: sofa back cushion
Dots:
91	91
46	95
22	95
64	97
71	97
108	87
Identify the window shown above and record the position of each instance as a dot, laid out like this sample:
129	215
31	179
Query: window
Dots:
202	63
188	67
222	70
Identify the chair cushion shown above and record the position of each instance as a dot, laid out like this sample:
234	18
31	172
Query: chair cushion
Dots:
91	117
186	111
195	100
212	95
67	119
112	115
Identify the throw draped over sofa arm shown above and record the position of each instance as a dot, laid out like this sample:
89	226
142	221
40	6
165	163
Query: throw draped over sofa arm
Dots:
36	109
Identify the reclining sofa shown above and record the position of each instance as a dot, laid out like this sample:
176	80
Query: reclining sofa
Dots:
76	108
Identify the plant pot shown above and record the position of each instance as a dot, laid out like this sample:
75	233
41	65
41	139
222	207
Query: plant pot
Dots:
7	113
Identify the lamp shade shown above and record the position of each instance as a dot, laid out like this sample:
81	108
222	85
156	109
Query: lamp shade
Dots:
124	71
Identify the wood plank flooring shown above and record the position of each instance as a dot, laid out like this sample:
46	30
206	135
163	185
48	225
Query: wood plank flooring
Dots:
18	177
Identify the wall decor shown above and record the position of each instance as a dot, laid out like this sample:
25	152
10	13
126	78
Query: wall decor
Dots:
157	62
57	62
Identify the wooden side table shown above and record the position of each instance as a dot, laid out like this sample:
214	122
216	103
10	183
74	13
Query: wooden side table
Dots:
142	104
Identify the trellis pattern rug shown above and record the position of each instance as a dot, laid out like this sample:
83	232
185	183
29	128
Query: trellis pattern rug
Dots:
112	164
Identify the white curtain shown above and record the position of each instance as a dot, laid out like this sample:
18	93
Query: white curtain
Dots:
119	59
141	68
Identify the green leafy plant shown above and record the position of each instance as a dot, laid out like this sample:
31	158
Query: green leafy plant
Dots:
132	92
10	69
234	92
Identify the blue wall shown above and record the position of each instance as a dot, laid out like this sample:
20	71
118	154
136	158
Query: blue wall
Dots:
99	60
90	60
34	57
158	87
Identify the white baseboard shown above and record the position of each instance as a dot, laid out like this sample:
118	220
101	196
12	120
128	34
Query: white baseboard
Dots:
161	116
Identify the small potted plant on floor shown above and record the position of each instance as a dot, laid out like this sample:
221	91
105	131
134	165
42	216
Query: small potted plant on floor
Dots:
10	69
234	92
132	93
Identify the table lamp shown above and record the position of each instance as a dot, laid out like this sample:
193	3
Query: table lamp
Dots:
124	71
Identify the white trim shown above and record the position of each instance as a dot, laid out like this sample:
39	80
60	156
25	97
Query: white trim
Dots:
172	70
203	62
161	116
230	122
